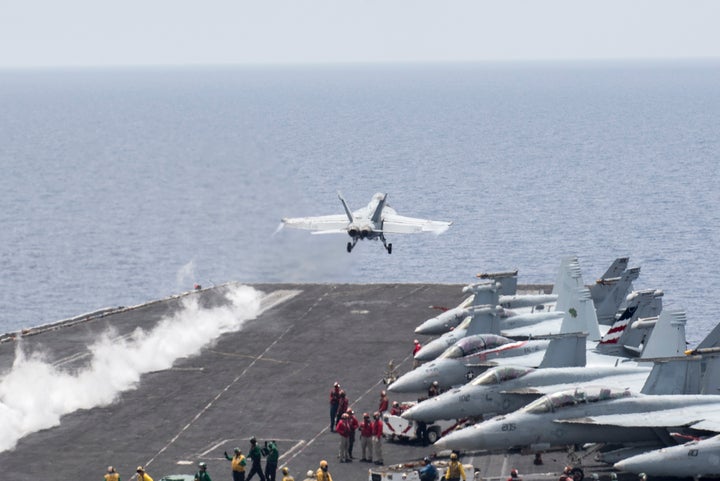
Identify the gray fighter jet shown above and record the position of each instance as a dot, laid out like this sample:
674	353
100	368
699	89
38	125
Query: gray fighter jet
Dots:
504	389
608	294
484	321
628	337
590	414
371	222
488	293
696	458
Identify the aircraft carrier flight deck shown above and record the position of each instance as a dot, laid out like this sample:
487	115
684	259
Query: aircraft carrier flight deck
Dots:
271	379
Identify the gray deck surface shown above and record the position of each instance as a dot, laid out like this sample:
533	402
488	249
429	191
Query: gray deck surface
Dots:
270	380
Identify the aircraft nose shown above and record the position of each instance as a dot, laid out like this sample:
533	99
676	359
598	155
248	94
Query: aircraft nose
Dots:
455	440
413	381
633	465
429	327
430	351
427	411
408	413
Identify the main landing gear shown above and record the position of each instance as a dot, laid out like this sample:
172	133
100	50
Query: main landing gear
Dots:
388	247
350	245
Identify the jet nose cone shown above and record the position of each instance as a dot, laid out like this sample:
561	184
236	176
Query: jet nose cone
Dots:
635	465
423	411
429	351
457	440
431	327
412	381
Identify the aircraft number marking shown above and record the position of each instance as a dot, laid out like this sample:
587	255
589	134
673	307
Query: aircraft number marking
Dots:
465	398
508	427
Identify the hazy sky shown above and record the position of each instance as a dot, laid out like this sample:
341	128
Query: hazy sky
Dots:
134	32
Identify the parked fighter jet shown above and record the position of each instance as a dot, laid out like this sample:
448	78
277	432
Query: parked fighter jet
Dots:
696	458
371	222
598	414
608	294
455	367
481	295
484	321
504	389
507	388
590	415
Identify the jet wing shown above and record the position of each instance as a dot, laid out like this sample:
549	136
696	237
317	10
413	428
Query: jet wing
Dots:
324	223
398	224
542	328
699	417
632	381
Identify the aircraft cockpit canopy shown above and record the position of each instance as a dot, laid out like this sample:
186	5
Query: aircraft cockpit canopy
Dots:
497	375
574	397
474	344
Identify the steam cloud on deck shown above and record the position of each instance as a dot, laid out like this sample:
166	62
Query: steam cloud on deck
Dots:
34	394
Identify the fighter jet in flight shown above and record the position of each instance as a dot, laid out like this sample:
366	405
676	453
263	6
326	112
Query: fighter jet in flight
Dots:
371	222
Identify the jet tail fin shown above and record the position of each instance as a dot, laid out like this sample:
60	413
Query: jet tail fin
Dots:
712	339
569	266
609	294
507	280
678	375
566	350
711	378
345	206
640	304
487	294
616	268
667	338
379	208
485	320
580	314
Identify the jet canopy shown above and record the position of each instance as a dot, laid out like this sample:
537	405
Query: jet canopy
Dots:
497	375
474	344
575	397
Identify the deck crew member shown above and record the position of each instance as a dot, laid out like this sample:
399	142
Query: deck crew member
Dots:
334	403
286	475
111	475
354	425
455	470
142	475
202	474
237	463
322	473
256	458
377	431
366	427
272	461
343	430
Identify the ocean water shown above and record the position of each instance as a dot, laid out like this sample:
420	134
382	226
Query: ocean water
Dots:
121	186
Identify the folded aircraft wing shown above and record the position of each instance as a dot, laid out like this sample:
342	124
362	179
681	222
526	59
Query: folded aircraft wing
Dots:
542	328
632	381
699	417
398	224
331	223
